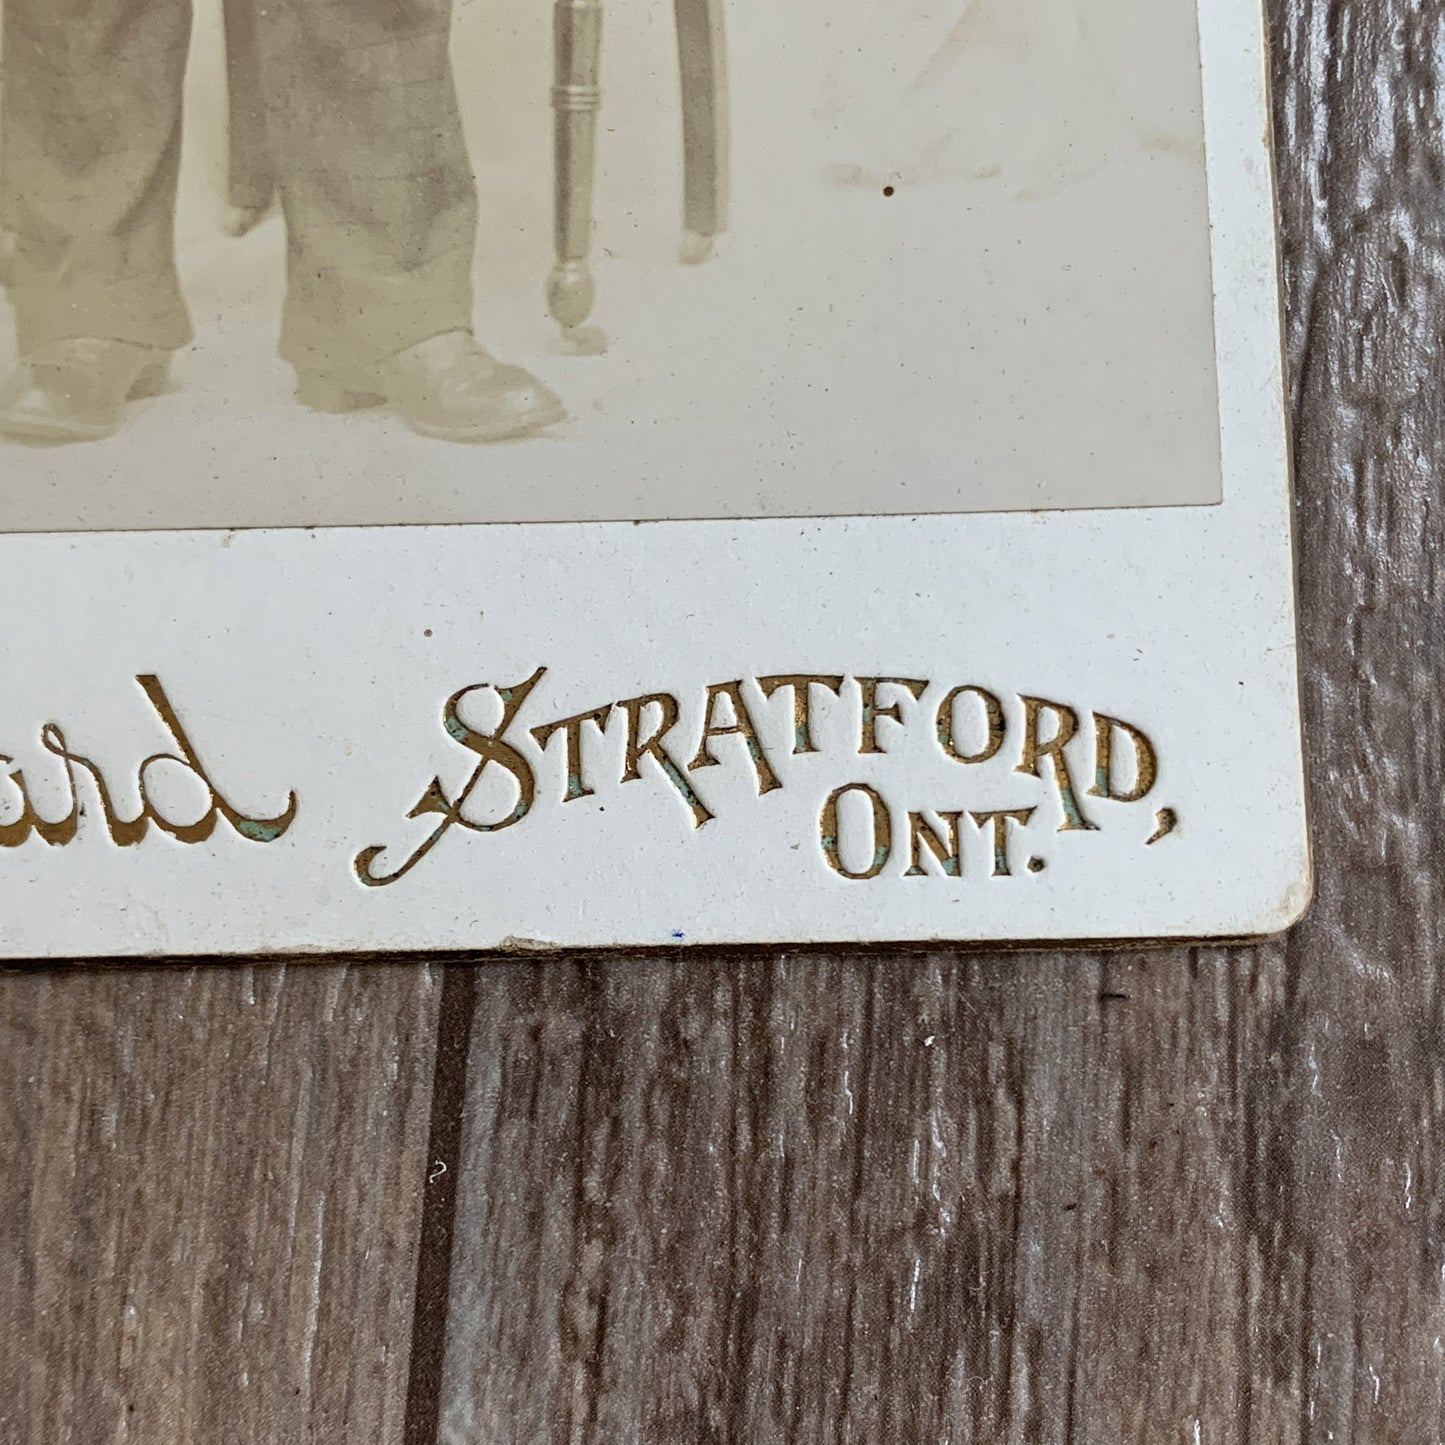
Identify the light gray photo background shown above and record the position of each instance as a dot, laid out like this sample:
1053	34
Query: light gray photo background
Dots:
1025	322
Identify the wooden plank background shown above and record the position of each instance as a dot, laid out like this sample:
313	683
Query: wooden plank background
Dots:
211	1183
1182	1195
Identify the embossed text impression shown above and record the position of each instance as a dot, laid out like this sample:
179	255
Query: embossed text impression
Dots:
862	832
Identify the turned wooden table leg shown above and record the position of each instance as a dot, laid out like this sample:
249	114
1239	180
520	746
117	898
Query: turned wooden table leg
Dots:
575	100
702	53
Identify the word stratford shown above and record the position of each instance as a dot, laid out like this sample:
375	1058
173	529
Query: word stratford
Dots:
882	707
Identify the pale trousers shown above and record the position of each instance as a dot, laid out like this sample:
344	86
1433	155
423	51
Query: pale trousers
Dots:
365	138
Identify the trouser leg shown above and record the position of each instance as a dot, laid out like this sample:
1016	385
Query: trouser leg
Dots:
375	181
250	181
91	93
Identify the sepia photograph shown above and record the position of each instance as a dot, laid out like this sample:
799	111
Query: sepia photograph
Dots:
360	262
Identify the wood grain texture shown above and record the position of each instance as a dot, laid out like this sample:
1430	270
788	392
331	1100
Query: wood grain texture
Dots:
210	1182
1188	1196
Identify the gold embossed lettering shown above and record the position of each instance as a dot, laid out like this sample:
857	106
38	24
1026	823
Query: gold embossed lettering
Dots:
490	748
881	832
572	727
639	747
124	832
873	711
741	726
999	822
801	685
17	831
923	835
1146	761
993	722
1036	749
257	830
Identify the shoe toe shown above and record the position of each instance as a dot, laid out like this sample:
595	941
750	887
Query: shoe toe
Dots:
499	403
76	390
526	399
35	413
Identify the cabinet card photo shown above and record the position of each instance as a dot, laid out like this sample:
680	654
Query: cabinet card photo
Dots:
509	477
866	257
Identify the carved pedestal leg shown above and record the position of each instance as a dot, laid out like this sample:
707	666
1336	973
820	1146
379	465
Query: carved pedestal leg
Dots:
702	52
575	100
250	178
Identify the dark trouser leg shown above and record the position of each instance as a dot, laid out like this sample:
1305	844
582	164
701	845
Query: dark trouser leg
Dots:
250	180
375	182
91	129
